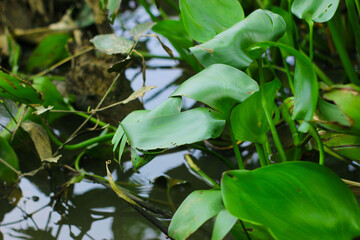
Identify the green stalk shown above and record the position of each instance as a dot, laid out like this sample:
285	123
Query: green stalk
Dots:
357	6
317	138
235	146
265	151
345	59
226	161
261	154
200	172
288	74
274	133
311	38
354	21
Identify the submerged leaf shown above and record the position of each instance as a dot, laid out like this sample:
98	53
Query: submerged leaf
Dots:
298	200
220	87
203	19
315	10
112	44
196	209
229	46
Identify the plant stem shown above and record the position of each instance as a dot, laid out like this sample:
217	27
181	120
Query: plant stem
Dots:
311	38
317	138
200	172
261	154
354	22
345	59
274	133
226	161
288	74
357	7
235	146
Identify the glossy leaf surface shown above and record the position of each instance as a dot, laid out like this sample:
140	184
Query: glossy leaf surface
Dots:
229	46
203	19
249	123
220	87
49	51
174	130
194	211
112	44
18	90
305	81
8	155
298	200
315	10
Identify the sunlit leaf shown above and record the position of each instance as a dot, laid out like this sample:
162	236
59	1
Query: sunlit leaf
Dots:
18	90
203	19
229	46
249	123
174	130
220	87
196	209
297	200
315	10
49	51
112	44
8	155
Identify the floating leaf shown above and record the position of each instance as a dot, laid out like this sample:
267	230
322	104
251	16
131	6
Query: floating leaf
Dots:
229	46
112	44
220	87
203	19
298	200
18	90
8	155
49	51
249	123
174	130
196	209
315	10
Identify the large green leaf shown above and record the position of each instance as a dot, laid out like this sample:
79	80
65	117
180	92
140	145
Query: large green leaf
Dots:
174	130
249	123
347	98
196	209
220	87
229	46
306	84
315	10
203	19
8	155
18	90
295	200
112	44
49	51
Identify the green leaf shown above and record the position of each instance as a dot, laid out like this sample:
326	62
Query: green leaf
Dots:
174	130
306	84
196	209
140	29
343	144
19	90
229	46
249	123
315	10
49	51
8	155
347	98
112	44
14	53
203	19
220	87
295	200
223	224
